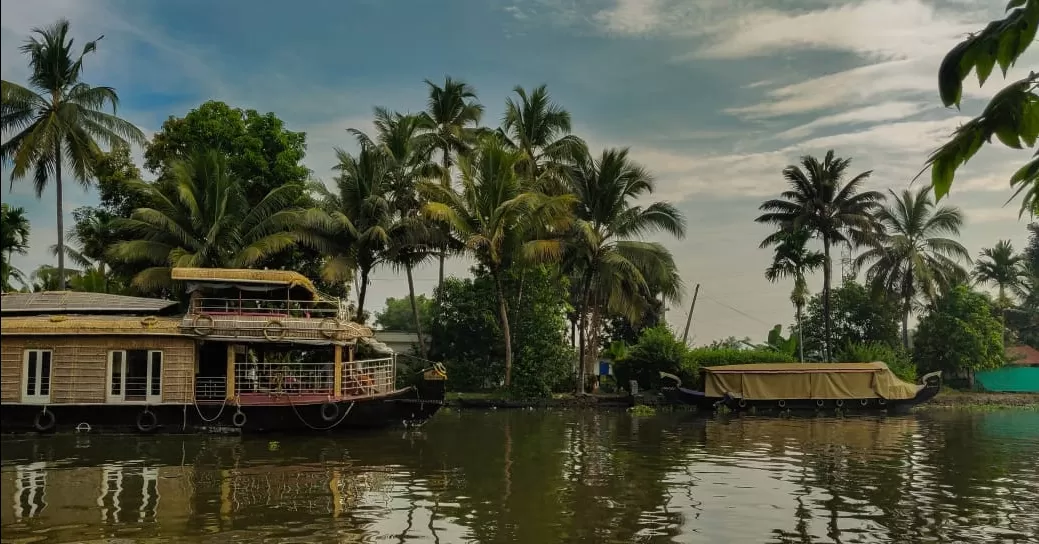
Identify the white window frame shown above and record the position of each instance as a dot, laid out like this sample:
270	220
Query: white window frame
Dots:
120	398
35	397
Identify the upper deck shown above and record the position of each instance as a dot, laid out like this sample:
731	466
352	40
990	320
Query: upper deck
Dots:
263	306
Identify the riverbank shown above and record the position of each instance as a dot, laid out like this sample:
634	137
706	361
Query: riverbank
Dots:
947	399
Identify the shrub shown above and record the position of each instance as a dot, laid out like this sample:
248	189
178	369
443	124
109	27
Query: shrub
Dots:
656	351
897	359
721	357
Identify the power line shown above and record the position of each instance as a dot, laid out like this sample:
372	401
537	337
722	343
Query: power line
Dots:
737	310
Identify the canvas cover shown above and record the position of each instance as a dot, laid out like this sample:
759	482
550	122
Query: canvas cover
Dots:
793	381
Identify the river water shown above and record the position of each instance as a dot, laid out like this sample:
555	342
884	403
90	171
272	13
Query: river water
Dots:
543	477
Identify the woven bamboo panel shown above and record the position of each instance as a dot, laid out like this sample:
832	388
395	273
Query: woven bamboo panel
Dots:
79	368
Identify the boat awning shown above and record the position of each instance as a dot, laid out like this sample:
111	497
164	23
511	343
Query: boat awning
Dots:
245	280
788	381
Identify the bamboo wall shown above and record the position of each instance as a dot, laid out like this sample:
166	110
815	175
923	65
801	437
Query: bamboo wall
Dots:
79	366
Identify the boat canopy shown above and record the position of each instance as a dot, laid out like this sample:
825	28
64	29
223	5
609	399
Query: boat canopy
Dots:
817	381
246	280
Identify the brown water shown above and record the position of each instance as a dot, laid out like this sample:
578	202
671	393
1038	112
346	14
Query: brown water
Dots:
543	477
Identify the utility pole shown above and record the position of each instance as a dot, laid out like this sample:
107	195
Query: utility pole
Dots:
689	320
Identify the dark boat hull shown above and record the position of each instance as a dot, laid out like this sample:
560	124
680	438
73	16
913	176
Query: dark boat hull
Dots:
848	405
409	407
681	395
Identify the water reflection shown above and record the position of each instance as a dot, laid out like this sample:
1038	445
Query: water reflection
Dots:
543	477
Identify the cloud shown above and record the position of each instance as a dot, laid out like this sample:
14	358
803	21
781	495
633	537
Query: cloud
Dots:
886	111
631	16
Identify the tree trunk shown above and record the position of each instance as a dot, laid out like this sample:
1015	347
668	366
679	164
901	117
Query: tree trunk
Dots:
583	330
61	216
503	312
362	290
905	328
800	335
592	355
414	312
827	318
446	161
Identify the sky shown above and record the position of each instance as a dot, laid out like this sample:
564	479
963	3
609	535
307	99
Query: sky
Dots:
714	97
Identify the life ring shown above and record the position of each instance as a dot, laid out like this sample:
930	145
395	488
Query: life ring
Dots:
200	328
147	421
839	403
782	404
742	403
329	411
44	421
149	321
863	402
274	330
819	403
239	419
329	327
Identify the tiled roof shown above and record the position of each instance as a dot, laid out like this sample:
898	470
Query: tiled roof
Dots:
60	302
1023	355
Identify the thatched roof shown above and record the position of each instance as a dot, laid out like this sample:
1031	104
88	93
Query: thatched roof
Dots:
72	302
274	278
90	324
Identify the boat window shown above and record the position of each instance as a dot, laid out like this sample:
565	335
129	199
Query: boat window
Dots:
37	375
135	375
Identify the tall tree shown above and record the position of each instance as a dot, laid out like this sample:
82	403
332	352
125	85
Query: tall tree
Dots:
202	218
1001	267
540	128
499	219
618	271
910	255
793	259
1012	116
359	216
58	118
14	238
831	208
453	119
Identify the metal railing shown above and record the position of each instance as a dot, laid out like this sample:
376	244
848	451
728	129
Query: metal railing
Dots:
271	320
267	308
210	387
368	377
297	378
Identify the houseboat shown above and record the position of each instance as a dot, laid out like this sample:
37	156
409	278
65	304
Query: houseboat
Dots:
805	386
256	351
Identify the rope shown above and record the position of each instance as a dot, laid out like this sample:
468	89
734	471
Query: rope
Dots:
199	410
313	428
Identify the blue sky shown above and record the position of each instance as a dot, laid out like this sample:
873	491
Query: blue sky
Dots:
713	96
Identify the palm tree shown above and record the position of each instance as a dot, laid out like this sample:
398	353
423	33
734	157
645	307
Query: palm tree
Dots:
910	256
14	238
793	259
453	116
359	216
618	271
201	218
500	220
1001	267
59	118
823	203
541	129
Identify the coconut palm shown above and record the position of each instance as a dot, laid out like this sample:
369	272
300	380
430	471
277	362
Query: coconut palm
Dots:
359	216
618	271
540	128
58	119
793	259
453	117
14	238
910	256
500	220
1001	267
201	218
829	207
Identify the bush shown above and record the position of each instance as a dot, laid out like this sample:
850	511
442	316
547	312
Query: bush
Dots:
722	357
897	359
656	351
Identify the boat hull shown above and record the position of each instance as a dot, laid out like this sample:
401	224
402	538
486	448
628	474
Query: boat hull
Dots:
847	405
681	395
409	407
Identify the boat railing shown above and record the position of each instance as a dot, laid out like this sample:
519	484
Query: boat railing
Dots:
210	387
369	377
271	320
296	378
257	307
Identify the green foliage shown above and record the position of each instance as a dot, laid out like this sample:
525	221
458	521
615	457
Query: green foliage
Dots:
656	351
14	238
730	343
897	358
859	316
961	333
397	315
467	337
1012	115
776	342
642	410
260	151
1023	321
704	357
